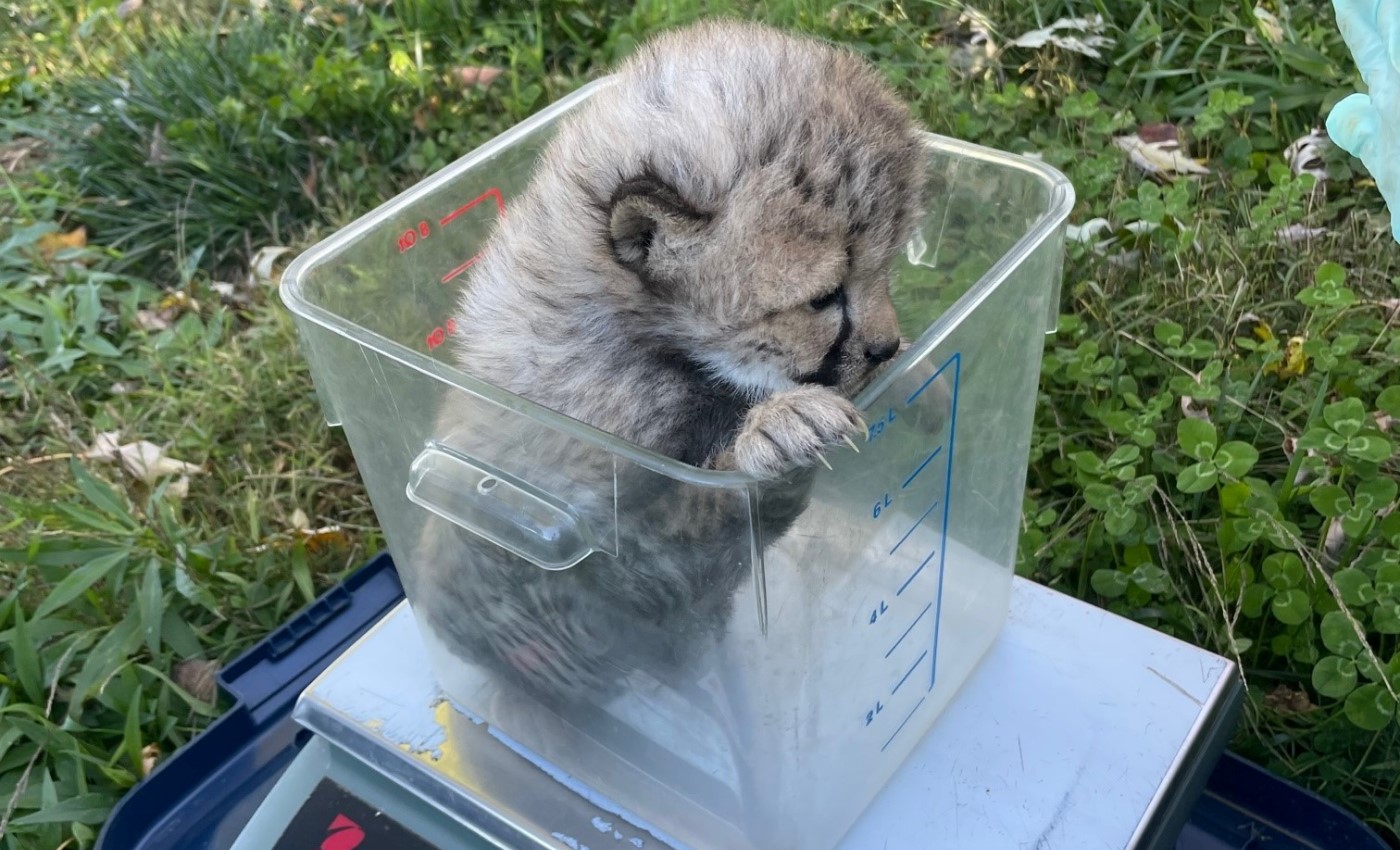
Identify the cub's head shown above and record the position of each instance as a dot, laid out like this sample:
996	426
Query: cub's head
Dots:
775	182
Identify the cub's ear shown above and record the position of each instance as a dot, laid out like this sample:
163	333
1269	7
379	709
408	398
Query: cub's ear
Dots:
645	218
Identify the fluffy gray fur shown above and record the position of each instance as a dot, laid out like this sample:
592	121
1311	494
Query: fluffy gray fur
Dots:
700	266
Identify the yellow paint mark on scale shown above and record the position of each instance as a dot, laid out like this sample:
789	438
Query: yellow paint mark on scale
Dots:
446	758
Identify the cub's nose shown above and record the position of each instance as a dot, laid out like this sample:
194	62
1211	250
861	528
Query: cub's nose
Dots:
879	352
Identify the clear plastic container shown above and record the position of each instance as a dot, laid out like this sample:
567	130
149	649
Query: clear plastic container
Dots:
842	609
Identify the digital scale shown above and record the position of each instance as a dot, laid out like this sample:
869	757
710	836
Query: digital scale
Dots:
1080	729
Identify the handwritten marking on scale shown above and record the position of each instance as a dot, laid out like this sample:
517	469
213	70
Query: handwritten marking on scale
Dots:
603	826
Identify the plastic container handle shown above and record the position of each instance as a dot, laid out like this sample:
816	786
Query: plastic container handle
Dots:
498	507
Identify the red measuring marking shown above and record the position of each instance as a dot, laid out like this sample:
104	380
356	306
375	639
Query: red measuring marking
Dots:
463	267
493	194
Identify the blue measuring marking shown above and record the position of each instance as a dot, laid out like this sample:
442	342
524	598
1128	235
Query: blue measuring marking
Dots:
901	726
912	668
939	550
956	361
908	630
915	473
917	570
956	358
915	528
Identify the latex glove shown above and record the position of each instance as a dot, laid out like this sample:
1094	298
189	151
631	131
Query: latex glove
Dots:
1367	126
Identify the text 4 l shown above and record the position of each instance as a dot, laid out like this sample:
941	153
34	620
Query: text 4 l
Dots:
881	425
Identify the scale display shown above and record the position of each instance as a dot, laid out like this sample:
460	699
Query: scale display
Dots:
332	818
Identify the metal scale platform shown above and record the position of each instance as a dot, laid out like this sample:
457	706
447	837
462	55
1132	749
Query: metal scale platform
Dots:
1080	729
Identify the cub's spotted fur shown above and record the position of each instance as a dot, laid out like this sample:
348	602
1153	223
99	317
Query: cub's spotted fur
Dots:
700	266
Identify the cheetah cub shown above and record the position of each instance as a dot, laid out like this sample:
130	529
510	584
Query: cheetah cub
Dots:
700	266
723	219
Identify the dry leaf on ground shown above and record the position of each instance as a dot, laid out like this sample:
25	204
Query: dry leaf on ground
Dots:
1190	410
150	754
1333	541
976	47
1268	25
480	76
1299	233
17	153
197	677
1088	40
151	320
264	263
143	460
1157	149
1288	700
51	243
1305	155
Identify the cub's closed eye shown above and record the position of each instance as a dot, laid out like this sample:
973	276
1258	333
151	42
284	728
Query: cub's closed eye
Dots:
830	299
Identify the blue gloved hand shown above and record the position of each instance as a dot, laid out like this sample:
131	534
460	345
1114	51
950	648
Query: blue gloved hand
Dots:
1367	126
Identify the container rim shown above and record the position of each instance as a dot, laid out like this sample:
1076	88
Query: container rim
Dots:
291	291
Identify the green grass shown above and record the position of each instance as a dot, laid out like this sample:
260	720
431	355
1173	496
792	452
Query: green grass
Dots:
1262	535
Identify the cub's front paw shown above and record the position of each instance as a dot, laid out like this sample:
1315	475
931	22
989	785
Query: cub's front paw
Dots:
795	426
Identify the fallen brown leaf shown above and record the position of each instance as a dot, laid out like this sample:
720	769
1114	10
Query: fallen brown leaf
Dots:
1305	471
51	243
1088	40
326	537
1158	150
261	268
1294	233
1306	154
17	154
197	677
1191	411
151	320
976	47
179	488
1286	700
480	76
1333	541
150	754
1268	24
143	460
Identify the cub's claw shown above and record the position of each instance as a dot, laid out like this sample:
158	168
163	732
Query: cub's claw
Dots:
794	428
